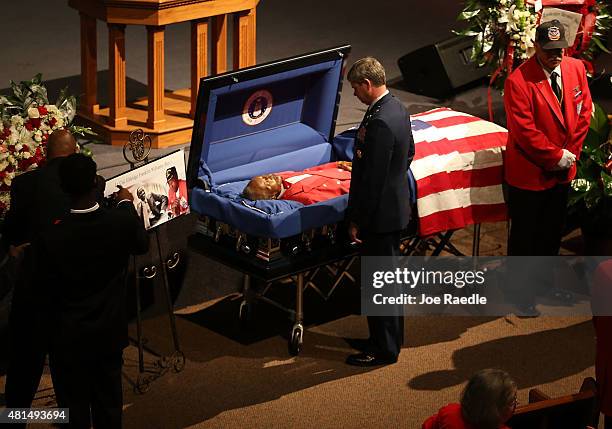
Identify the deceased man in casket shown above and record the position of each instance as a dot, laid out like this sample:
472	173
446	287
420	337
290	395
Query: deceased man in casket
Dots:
309	186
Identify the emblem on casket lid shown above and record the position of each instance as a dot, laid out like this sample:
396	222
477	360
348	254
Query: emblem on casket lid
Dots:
257	107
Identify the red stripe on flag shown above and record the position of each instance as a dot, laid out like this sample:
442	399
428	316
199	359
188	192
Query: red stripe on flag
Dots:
459	218
459	180
451	121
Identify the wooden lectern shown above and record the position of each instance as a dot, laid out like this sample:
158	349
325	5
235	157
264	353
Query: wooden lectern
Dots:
166	116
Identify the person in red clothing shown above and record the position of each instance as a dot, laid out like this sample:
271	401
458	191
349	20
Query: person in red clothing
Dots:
548	109
309	186
487	402
602	299
177	194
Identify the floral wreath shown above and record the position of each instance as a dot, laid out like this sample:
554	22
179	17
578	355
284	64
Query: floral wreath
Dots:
504	32
26	121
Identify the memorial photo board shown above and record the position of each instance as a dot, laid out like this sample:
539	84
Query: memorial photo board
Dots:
159	189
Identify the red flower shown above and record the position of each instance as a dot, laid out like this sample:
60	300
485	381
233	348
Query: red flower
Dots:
52	122
42	110
28	126
35	122
23	164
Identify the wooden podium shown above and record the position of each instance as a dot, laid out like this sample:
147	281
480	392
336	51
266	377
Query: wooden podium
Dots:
166	116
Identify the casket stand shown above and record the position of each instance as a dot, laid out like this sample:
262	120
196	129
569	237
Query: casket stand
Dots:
275	117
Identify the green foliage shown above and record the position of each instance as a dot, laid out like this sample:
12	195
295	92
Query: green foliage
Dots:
499	26
31	93
591	191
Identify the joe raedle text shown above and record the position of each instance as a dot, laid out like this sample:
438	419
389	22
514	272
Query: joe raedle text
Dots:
421	284
423	299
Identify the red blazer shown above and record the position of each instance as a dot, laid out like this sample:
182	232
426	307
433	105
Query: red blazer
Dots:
182	207
324	182
538	127
449	417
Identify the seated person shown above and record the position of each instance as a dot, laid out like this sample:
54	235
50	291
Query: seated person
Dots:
309	186
150	207
487	402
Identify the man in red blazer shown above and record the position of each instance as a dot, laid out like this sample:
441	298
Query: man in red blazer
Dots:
177	193
309	186
548	108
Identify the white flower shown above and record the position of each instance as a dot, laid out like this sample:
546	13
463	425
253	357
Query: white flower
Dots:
26	155
33	112
52	109
37	138
25	137
15	133
18	147
3	165
59	123
17	121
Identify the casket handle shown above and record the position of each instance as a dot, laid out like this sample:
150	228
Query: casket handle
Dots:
218	233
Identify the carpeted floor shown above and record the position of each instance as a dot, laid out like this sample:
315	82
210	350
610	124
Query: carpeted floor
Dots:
234	378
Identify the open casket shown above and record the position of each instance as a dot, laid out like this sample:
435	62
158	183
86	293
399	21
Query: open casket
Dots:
281	116
269	118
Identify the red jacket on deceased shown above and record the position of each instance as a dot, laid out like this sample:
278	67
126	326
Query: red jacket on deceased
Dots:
449	417
539	127
315	184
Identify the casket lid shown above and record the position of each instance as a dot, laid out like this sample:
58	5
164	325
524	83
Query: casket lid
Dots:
262	112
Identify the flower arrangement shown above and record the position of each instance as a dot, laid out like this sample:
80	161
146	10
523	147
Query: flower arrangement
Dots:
26	121
504	32
591	191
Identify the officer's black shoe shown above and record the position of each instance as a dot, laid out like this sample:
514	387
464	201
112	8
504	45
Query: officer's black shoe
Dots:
369	359
526	311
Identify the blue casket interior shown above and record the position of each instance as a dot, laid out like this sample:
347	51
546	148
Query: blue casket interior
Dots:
302	96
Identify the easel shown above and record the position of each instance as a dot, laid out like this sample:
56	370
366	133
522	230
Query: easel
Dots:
136	153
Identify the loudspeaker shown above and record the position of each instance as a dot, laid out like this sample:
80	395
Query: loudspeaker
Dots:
440	69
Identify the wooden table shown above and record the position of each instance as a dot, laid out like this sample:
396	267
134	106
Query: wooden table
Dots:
166	116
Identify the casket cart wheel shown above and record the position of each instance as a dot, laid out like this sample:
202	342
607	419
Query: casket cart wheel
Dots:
245	313
143	384
178	361
296	339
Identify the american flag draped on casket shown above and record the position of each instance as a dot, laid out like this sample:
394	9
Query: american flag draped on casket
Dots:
458	168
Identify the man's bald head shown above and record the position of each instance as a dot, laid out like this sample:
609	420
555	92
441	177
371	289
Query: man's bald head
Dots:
61	143
266	187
